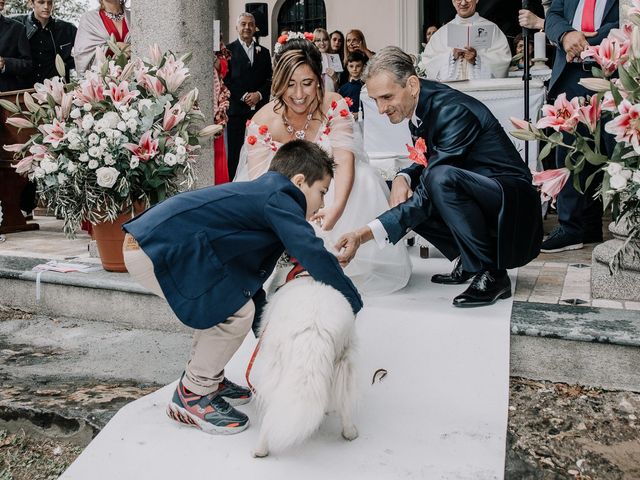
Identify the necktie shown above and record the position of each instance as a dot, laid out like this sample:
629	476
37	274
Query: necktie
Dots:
588	14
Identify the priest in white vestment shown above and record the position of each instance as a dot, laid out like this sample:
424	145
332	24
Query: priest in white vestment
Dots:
441	62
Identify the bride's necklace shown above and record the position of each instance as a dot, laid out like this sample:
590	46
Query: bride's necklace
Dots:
299	134
116	17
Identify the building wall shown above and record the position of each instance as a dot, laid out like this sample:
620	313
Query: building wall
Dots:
383	22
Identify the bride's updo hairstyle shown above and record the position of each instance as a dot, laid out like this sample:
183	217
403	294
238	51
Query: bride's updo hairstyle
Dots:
294	53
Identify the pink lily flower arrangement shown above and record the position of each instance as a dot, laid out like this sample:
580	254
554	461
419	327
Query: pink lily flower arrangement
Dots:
578	125
125	132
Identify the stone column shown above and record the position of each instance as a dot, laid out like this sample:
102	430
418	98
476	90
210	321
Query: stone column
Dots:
184	26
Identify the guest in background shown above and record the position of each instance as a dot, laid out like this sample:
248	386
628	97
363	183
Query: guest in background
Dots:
249	81
428	33
221	96
329	76
441	62
95	29
355	65
48	37
15	54
356	42
337	44
573	25
517	62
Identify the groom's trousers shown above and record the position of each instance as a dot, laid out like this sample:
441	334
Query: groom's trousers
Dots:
462	210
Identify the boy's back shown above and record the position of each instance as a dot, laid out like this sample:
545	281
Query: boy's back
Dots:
213	248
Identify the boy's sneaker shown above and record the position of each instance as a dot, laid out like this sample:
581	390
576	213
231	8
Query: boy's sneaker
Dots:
559	241
233	393
210	413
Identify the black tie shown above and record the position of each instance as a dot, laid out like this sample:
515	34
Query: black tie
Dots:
414	131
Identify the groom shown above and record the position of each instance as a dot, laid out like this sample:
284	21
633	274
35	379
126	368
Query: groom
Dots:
474	201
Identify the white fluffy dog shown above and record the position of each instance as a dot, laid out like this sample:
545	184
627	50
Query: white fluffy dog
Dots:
304	366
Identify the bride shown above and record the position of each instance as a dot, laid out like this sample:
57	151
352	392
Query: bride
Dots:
301	109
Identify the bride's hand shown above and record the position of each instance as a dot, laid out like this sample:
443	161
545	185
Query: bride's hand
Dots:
327	217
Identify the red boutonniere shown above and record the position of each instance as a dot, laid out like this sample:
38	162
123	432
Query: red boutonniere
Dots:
417	153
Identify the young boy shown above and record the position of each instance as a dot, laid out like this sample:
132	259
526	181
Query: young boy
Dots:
208	253
355	64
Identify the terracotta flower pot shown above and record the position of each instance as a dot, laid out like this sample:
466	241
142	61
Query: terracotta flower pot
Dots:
109	236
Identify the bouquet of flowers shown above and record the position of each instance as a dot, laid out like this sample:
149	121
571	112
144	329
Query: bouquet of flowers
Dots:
616	102
123	133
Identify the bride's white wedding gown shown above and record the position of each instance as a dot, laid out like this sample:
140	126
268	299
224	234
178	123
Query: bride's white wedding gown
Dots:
374	271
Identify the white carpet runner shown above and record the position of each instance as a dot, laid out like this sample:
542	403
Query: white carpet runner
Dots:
440	412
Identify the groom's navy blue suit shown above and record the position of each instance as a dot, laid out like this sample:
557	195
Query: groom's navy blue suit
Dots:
475	198
212	249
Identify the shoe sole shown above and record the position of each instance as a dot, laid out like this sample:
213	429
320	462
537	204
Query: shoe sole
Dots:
184	417
502	296
234	402
576	246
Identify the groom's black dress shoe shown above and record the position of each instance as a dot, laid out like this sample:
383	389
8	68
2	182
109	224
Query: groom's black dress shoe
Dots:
486	287
456	277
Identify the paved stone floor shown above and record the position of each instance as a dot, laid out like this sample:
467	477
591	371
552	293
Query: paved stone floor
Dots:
559	278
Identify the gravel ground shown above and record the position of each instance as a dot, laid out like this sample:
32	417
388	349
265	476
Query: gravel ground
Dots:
556	431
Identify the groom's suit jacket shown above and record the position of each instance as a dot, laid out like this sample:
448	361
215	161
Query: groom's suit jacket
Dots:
559	21
461	132
212	249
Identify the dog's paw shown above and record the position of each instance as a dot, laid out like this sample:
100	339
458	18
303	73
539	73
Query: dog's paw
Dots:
350	433
260	453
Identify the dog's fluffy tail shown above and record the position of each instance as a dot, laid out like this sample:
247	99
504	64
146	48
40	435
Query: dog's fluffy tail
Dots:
296	391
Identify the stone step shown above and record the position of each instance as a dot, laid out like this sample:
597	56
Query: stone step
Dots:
98	295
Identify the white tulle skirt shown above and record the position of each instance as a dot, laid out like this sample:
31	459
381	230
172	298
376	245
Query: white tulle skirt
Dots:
374	271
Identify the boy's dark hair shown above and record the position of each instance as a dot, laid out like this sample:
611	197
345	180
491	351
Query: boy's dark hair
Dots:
357	56
302	156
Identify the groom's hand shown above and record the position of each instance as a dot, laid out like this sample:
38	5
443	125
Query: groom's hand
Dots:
347	247
349	243
400	191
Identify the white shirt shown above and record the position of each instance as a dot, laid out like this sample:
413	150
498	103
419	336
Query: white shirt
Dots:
248	49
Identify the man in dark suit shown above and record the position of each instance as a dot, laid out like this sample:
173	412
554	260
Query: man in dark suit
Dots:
474	200
208	253
15	54
249	81
573	25
48	37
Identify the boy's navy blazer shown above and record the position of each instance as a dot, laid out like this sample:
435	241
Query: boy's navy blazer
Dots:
213	248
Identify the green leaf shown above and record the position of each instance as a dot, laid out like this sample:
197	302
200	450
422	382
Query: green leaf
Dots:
546	150
627	81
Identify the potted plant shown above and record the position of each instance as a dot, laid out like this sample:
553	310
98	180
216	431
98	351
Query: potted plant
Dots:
616	104
123	135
